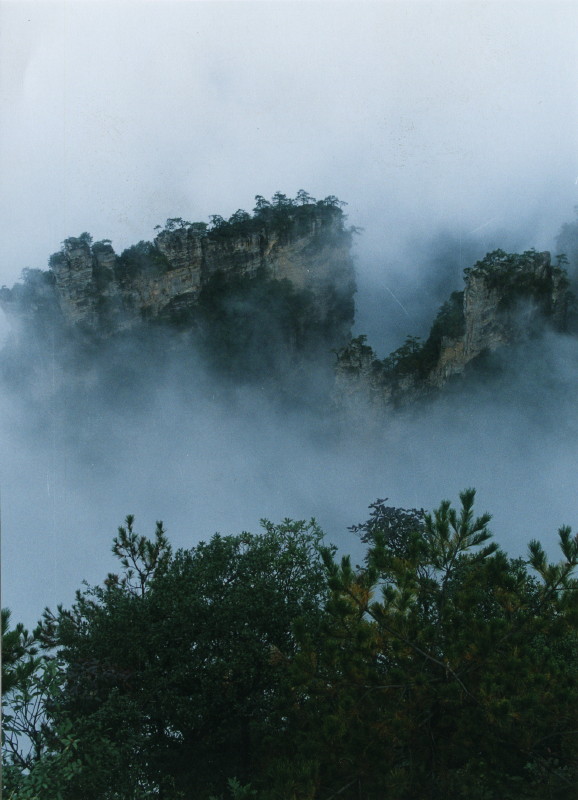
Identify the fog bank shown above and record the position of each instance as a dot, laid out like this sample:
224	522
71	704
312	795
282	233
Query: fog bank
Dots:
448	128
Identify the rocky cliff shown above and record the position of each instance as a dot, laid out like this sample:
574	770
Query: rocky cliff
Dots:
507	298
263	295
93	288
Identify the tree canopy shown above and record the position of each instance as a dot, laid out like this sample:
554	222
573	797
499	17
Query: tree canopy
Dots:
260	665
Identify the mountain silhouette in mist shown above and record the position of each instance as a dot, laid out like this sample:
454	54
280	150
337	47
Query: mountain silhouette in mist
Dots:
267	297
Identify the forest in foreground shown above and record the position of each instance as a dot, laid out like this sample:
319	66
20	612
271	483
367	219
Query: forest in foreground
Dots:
262	666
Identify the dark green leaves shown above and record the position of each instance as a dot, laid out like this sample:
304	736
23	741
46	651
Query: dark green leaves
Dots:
261	666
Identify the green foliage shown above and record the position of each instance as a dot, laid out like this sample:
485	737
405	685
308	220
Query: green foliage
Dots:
179	666
356	355
303	198
49	776
405	360
448	324
102	246
282	215
84	239
217	222
17	648
248	327
414	359
433	677
36	280
260	666
515	276
141	258
518	276
56	259
239	219
38	760
419	358
140	557
178	223
59	258
391	526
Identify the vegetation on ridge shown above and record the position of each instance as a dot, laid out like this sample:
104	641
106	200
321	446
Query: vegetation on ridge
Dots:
279	215
515	278
244	323
247	326
521	276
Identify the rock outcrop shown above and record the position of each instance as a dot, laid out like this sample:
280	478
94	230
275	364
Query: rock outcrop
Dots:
507	298
262	293
97	290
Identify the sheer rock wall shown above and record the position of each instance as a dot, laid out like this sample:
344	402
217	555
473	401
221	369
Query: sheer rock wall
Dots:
92	291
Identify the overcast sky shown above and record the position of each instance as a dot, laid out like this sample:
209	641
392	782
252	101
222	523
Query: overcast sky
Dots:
117	116
428	119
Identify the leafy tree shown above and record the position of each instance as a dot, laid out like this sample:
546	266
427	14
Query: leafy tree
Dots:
217	222
331	201
17	648
280	200
449	323
84	238
173	223
240	217
445	668
259	666
140	557
35	295
179	666
56	259
406	359
562	260
261	206
140	258
199	227
509	273
419	358
102	246
37	761
304	198
59	258
395	526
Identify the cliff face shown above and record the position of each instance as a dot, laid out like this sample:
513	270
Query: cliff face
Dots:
96	289
507	299
261	293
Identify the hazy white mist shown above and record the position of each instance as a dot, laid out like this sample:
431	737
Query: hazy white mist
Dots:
449	128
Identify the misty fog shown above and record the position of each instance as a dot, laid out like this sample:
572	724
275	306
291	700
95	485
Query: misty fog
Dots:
161	437
449	129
